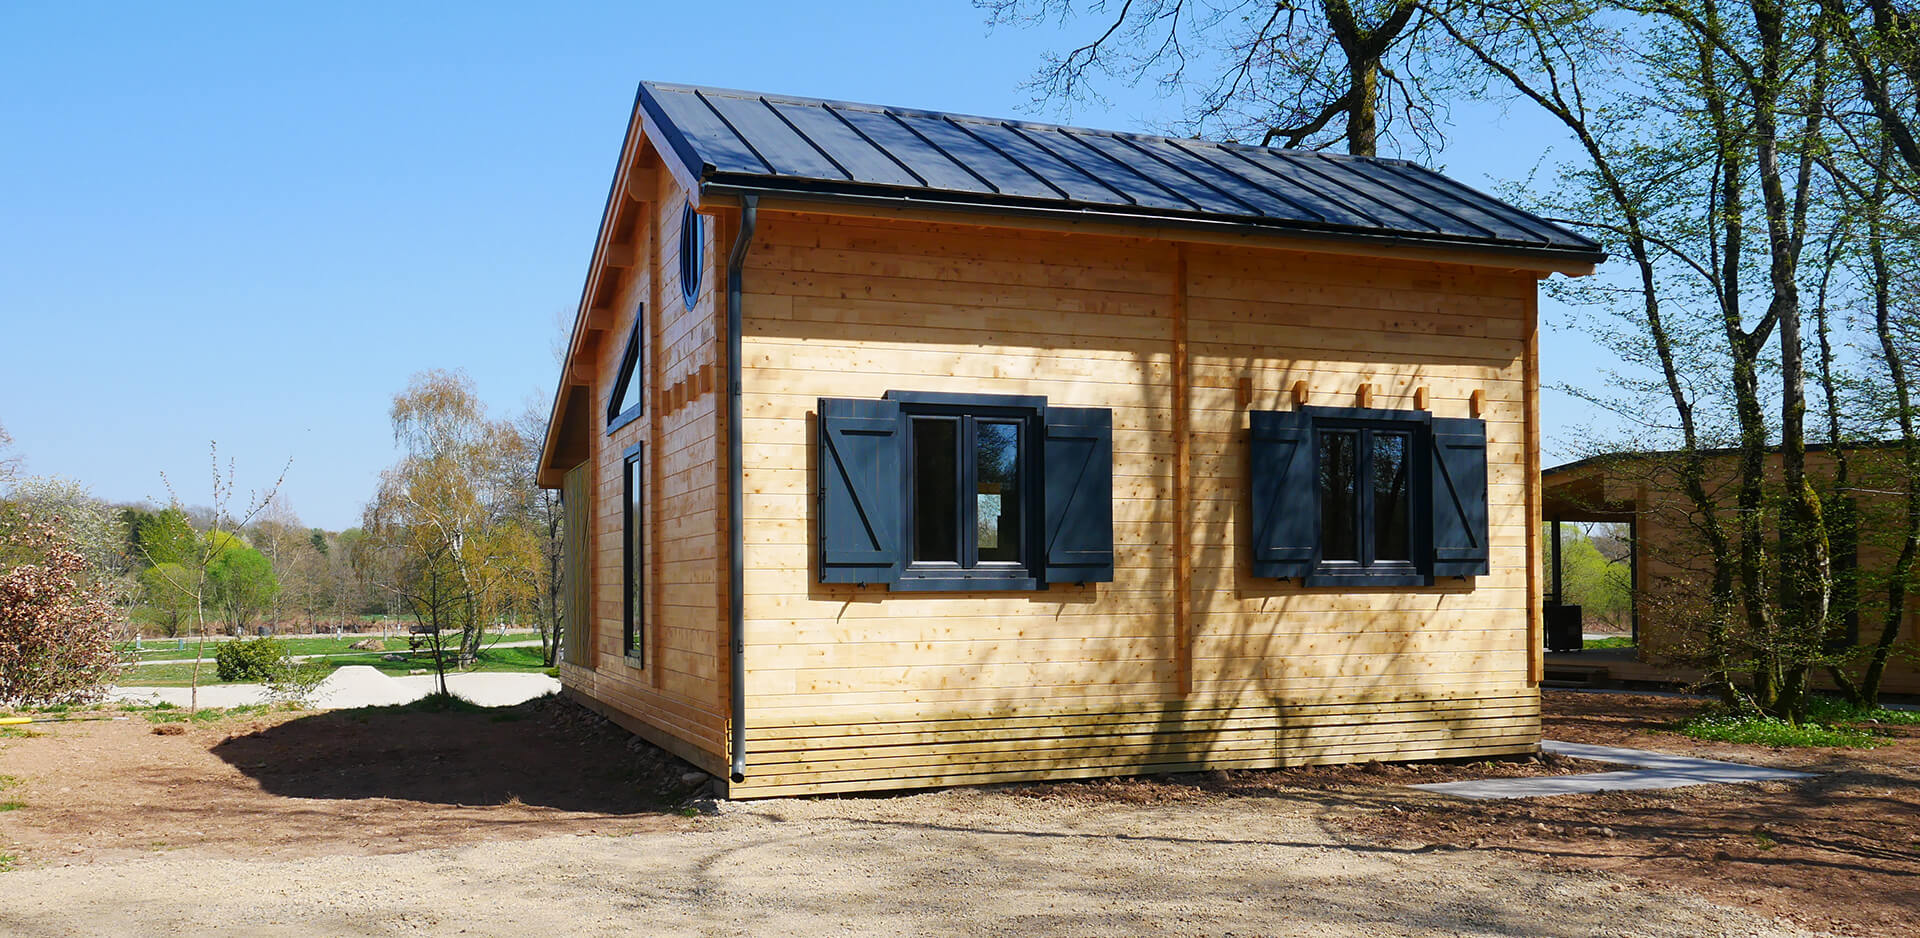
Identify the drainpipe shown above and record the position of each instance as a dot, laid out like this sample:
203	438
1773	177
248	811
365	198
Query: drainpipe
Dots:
736	532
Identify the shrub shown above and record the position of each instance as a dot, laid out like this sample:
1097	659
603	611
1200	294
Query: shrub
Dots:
56	641
249	659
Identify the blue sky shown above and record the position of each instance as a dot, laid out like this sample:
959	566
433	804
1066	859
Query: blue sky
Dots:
251	223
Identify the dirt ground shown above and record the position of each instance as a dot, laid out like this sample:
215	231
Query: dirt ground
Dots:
541	819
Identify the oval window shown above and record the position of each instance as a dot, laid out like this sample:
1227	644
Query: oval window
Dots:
692	243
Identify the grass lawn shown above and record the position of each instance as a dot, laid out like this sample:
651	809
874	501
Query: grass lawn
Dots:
1619	641
495	659
166	649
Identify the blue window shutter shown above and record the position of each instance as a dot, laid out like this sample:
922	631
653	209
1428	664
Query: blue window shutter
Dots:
1078	495
1280	473
1460	497
862	524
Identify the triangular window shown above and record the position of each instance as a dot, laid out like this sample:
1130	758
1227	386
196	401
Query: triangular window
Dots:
629	396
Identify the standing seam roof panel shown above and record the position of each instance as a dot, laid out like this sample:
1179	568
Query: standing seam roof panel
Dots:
1002	174
841	143
717	144
1384	211
1542	230
787	152
1505	226
1132	187
930	164
779	141
1066	177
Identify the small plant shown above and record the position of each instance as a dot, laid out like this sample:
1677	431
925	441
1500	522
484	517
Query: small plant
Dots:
11	806
1832	710
248	659
294	682
1755	729
1764	840
7	862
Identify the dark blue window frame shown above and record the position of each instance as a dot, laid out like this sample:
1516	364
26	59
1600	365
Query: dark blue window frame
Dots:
1367	570
693	245
968	411
634	554
627	374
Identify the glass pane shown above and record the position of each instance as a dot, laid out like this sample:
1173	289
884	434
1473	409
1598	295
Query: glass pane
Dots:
936	491
1392	509
636	523
996	501
1339	496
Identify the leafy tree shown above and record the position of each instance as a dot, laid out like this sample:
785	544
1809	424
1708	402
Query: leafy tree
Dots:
439	536
168	605
242	583
165	536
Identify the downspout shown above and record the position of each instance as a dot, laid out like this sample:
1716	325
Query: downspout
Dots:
736	530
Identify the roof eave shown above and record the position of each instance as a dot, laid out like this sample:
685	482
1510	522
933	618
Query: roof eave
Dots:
1545	258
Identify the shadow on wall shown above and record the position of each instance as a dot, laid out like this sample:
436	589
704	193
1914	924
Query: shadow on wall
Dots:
542	753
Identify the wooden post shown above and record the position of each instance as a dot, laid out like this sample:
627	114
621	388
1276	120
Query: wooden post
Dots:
1536	606
1182	483
1559	589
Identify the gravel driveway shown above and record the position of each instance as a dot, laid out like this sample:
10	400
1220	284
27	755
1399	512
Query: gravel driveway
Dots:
942	863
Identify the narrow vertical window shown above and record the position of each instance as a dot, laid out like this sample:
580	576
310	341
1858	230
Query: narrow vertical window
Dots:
936	490
1339	496
1392	496
634	549
996	460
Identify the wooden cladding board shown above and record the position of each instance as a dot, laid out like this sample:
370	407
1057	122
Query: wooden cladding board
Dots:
674	693
874	752
855	307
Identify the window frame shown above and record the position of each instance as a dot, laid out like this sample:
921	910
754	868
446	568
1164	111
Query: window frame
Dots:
693	247
1028	413
631	358
1417	426
633	547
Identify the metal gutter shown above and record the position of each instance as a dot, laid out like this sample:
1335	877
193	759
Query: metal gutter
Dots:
721	184
736	530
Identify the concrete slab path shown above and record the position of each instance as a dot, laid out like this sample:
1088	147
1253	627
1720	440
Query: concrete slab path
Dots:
361	686
1655	770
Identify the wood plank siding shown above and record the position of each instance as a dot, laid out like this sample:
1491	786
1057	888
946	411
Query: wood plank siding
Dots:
672	692
855	688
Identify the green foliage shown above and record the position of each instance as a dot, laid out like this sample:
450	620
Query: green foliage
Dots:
1717	725
1832	710
167	597
1618	641
164	537
1598	586
250	659
240	582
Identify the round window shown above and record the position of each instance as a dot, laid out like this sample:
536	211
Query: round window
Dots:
692	243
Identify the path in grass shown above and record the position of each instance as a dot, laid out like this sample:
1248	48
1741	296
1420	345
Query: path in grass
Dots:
522	658
298	646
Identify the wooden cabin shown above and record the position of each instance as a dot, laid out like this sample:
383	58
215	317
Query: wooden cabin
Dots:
1671	568
907	449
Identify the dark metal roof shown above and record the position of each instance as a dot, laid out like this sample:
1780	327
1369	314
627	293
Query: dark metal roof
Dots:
740	140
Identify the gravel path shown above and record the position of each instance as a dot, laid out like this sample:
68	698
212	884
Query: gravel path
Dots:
943	863
360	685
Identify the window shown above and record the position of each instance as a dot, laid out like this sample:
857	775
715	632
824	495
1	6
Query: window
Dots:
1346	496
627	401
634	549
922	491
1365	492
968	475
693	243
